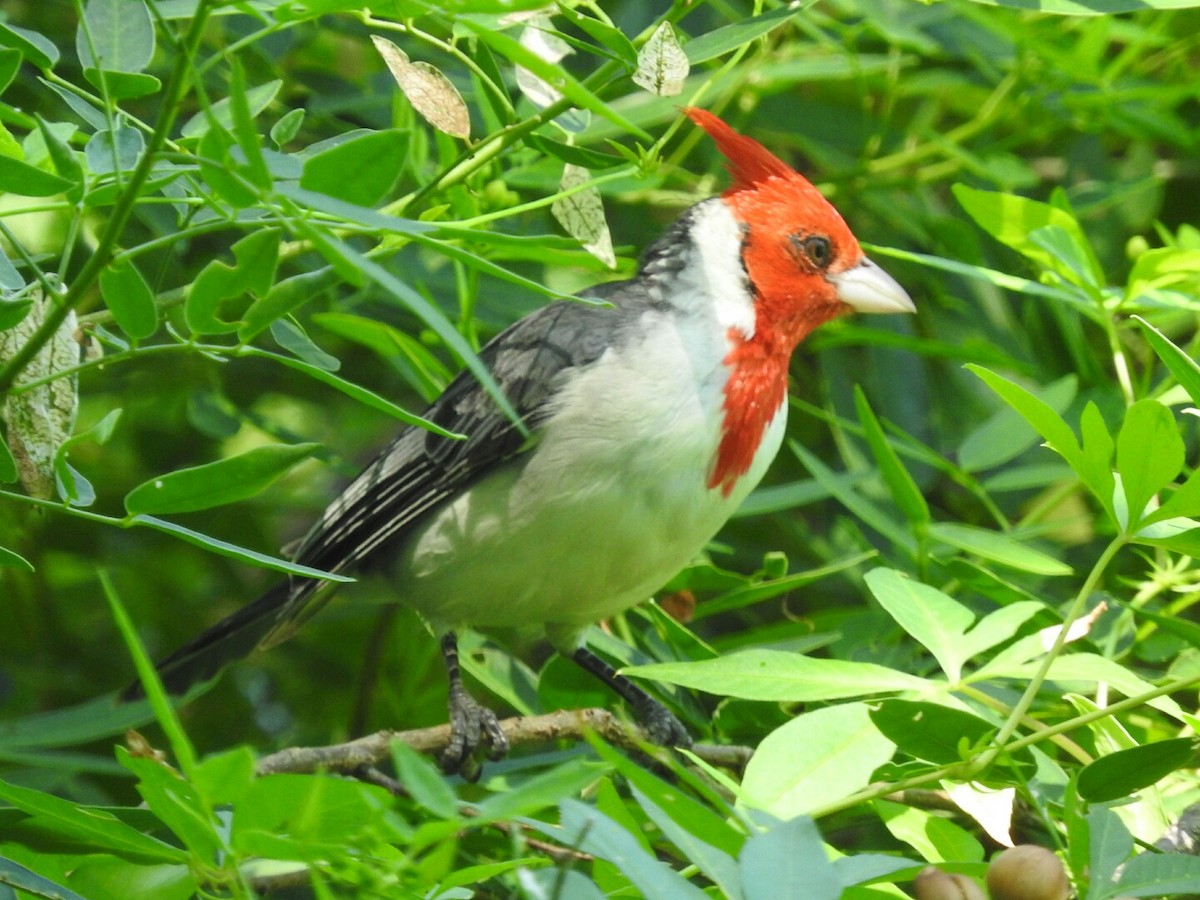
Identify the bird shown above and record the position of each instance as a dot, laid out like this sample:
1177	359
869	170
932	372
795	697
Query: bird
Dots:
643	419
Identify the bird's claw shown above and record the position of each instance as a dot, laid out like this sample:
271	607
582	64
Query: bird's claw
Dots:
661	725
472	727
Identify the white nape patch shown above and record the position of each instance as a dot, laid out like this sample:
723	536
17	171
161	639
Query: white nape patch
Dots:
717	244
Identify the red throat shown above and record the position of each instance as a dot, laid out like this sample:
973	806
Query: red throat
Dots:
754	394
778	209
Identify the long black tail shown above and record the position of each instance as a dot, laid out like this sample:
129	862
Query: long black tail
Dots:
226	642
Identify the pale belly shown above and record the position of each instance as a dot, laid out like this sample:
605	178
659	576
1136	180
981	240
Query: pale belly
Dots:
586	525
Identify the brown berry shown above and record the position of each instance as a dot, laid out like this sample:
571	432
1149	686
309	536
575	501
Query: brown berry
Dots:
1027	872
934	884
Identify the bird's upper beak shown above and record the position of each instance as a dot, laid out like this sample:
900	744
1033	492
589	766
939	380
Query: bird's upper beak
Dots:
869	289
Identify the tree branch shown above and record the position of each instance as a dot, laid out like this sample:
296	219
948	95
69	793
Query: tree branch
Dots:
562	725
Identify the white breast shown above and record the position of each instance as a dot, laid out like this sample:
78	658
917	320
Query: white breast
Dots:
614	500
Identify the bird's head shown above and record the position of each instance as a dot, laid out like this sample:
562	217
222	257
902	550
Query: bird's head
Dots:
803	263
804	267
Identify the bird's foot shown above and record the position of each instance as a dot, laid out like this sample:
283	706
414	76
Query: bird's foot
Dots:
474	730
661	725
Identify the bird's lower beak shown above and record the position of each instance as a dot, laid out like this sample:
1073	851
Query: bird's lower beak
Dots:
869	289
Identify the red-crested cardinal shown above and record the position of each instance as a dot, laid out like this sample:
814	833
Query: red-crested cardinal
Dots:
646	423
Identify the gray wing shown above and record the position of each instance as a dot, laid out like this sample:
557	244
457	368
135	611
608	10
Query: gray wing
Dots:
415	473
419	469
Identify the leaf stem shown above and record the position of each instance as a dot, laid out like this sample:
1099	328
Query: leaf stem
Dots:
122	210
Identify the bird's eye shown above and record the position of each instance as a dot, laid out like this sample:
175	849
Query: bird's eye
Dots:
818	250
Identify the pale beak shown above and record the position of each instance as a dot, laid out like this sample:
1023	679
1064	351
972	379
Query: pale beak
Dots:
869	289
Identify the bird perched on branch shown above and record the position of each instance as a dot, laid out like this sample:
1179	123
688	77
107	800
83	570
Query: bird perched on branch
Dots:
643	424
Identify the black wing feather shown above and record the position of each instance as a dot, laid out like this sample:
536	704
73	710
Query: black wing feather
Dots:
418	471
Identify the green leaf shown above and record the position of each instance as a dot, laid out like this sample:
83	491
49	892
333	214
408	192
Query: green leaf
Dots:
221	172
115	34
613	39
934	837
590	831
1109	847
1005	434
1089	7
350	261
257	99
717	866
11	560
122	85
1154	875
842	487
129	298
216	483
930	731
107	153
708	822
223	779
1182	502
553	74
350	389
1120	774
71	485
727	38
36	48
1070	258
176	803
223	548
292	338
788	853
285	130
1012	219
542	791
14	875
314	812
94	828
8	465
424	782
1164	269
1182	366
1149	454
578	156
1089	668
285	297
361	215
66	163
1056	433
818	758
25	180
775	675
10	62
897	478
376	159
244	131
998	547
936	620
421	368
253	272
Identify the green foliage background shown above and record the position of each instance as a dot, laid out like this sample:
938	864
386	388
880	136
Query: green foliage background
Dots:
262	240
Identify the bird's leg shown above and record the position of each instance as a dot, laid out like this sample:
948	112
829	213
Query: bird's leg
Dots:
471	724
660	723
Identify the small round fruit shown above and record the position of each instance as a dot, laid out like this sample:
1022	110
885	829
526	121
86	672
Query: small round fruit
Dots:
934	884
1027	872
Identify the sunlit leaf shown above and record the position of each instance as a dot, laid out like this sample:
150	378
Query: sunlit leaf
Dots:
216	483
817	758
582	215
662	66
1149	454
430	92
